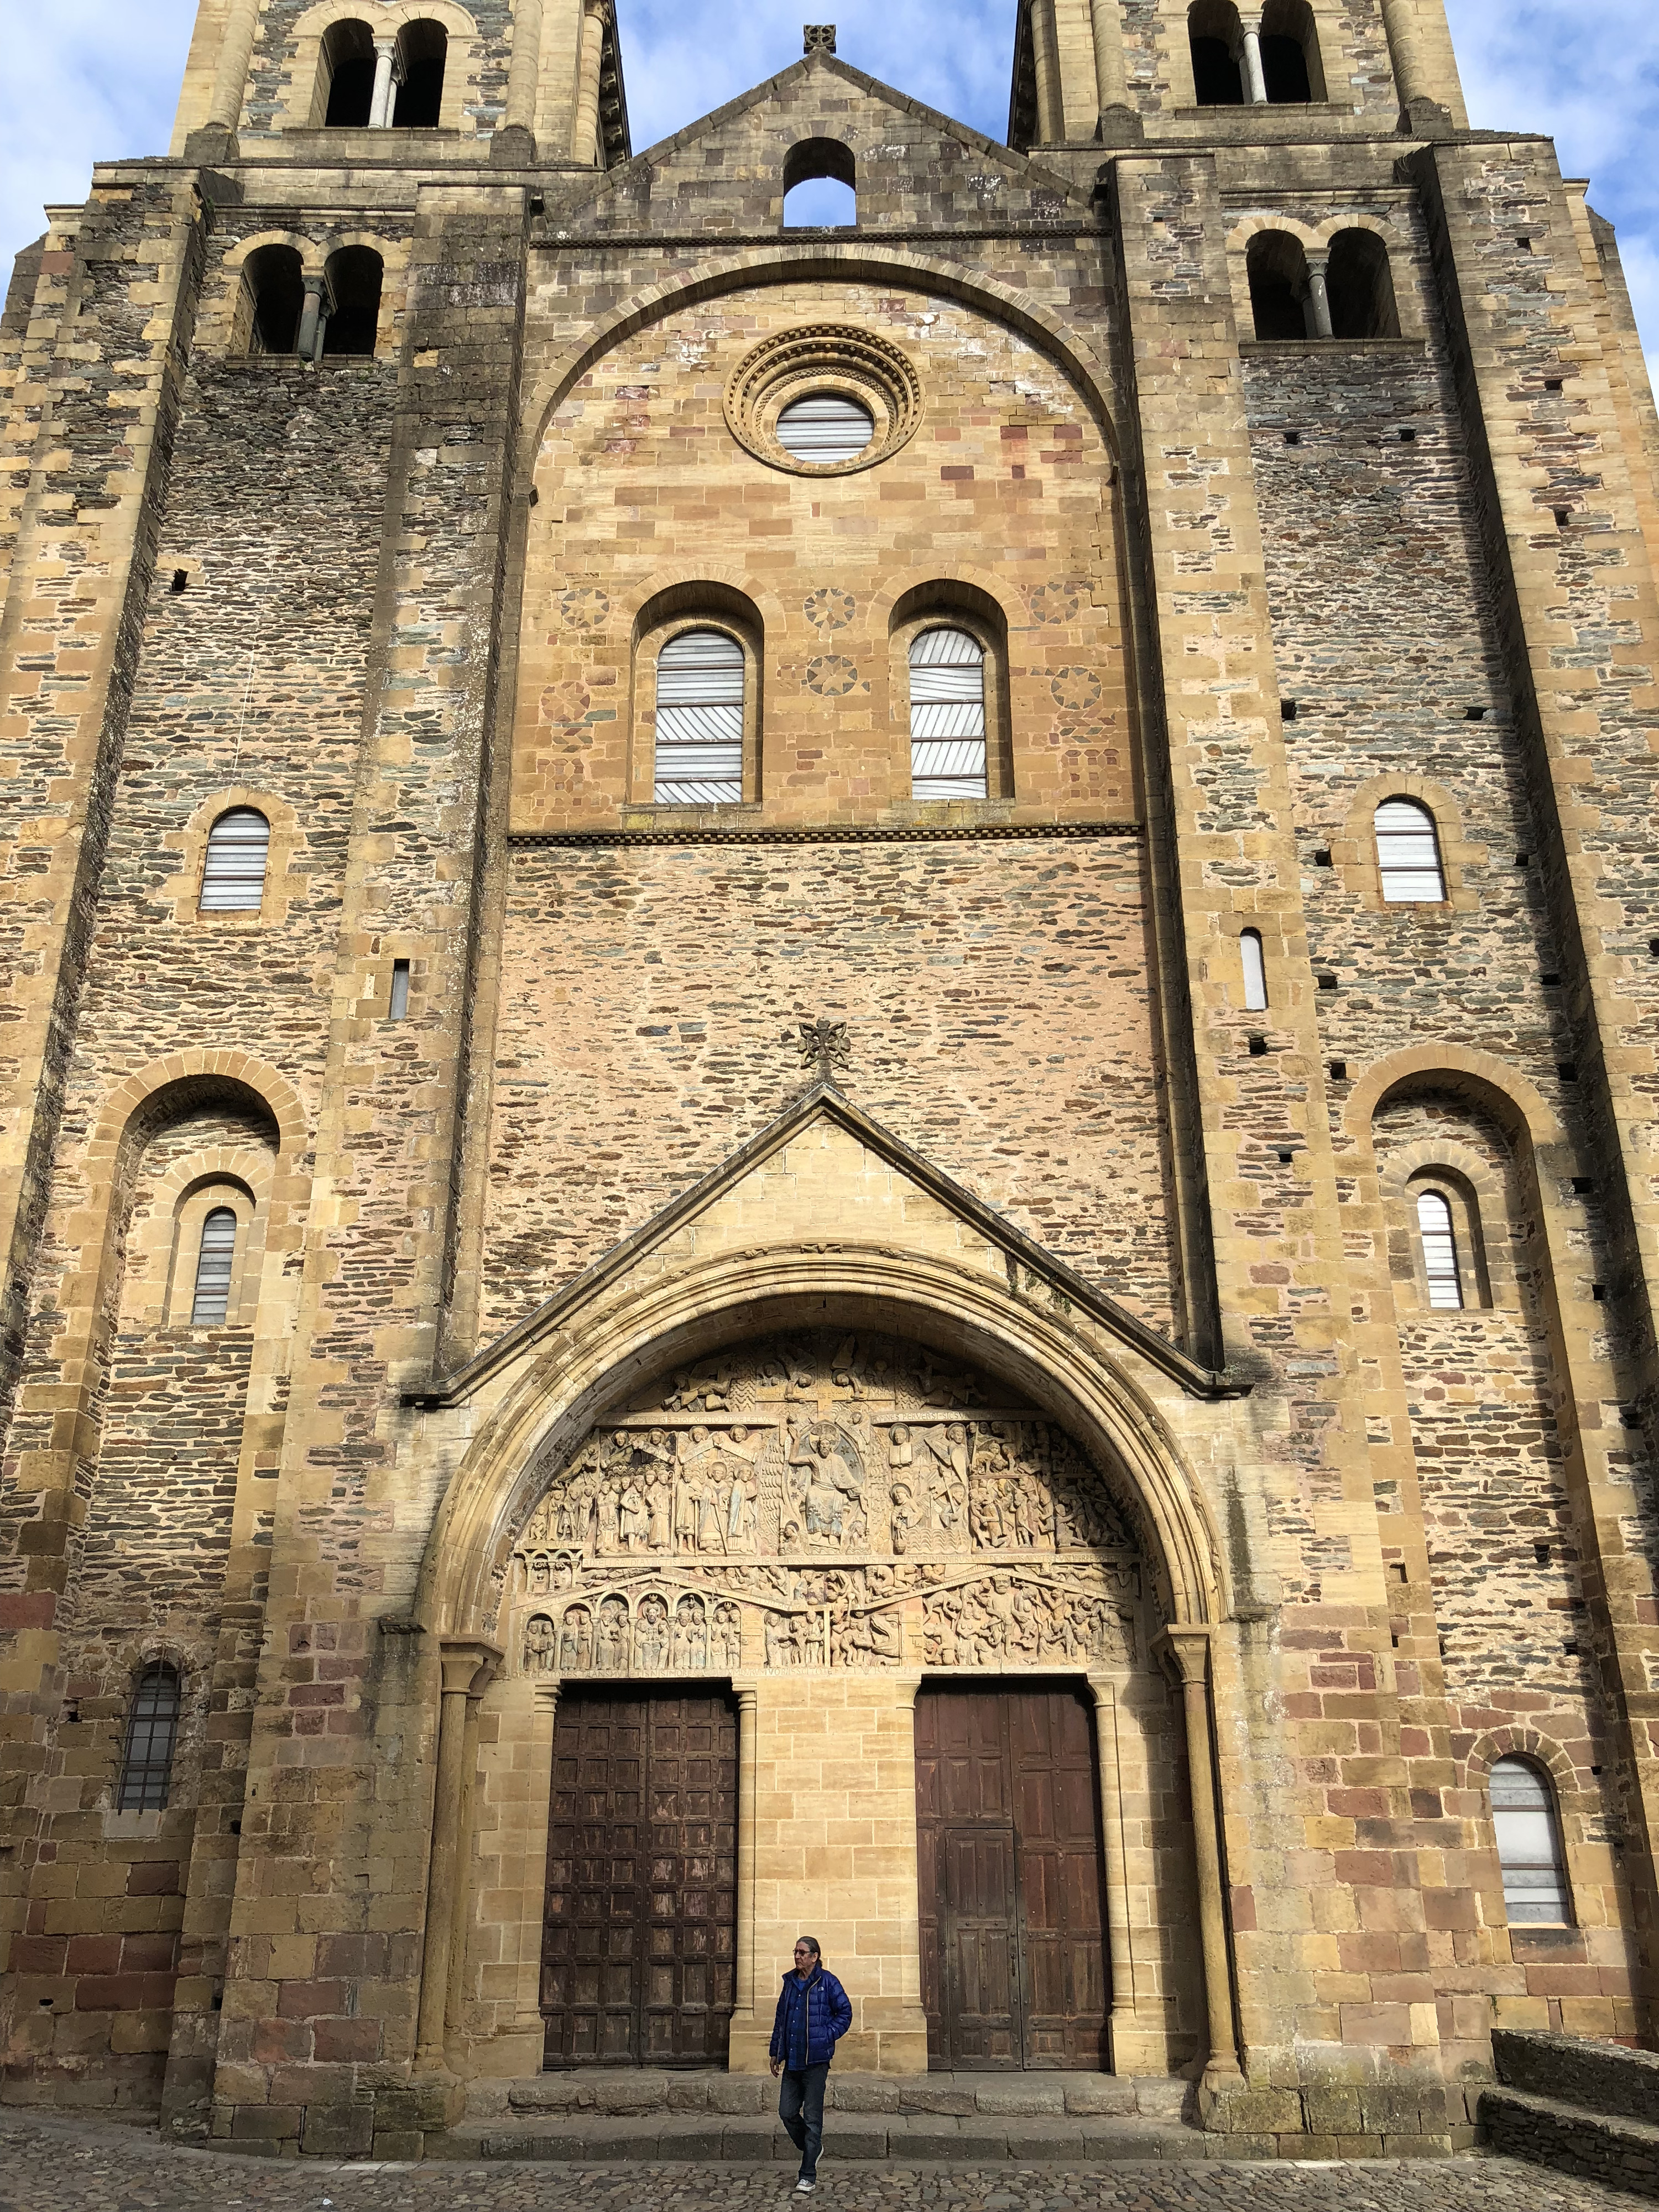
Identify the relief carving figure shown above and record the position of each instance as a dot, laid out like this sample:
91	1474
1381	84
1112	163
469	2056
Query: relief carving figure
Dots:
651	1636
951	1522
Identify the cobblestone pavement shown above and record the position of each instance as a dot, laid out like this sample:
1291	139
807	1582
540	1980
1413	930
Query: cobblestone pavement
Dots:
51	2165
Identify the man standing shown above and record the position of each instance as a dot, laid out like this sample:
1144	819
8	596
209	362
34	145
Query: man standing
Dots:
814	2012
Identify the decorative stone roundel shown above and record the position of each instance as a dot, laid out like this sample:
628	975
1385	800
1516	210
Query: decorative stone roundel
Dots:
824	361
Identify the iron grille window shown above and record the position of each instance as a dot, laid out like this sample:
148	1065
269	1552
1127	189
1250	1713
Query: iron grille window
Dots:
947	715
1529	1846
213	1262
1434	1223
233	877
699	682
152	1733
1408	854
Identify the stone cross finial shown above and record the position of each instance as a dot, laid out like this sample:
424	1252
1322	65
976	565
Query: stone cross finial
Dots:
827	1043
818	35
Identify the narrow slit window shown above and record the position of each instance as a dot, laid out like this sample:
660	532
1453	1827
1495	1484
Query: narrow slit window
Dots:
700	701
1408	854
1440	1263
234	876
1529	1846
947	716
399	1006
1255	971
213	1262
152	1734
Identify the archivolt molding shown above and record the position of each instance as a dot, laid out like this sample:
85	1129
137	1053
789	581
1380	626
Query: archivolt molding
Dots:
1491	1198
595	1356
1515	1101
820	262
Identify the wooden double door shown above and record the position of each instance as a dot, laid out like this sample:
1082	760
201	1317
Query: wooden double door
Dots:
1013	1880
639	1933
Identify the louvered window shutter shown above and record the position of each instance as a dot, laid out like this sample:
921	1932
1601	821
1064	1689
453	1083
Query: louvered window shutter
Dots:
233	879
947	716
1434	1223
1529	1847
699	679
1408	854
825	429
213	1266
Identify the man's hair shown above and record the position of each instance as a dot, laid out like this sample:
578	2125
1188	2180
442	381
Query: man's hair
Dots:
812	1945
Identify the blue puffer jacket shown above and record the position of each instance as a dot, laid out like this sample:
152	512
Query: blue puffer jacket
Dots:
812	2019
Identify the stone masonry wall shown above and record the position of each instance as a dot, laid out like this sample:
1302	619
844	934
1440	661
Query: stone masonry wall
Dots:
650	996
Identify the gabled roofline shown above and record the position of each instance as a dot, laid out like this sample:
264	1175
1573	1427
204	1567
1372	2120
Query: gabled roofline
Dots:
823	1097
946	125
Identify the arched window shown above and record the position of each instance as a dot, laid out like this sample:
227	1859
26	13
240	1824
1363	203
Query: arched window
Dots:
700	704
272	297
152	1733
1360	285
1408	854
1529	1846
947	715
820	186
347	62
213	1262
826	427
1439	1240
353	280
1277	264
1213	28
423	50
1255	971
233	874
1290	52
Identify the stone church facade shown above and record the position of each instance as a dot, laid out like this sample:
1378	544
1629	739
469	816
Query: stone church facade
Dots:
829	1093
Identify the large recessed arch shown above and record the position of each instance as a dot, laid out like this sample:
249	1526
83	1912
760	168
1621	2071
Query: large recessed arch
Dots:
850	263
590	1353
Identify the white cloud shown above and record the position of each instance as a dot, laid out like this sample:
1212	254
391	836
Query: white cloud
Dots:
94	79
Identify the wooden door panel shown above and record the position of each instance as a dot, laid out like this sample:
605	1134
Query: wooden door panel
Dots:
1011	1879
639	1935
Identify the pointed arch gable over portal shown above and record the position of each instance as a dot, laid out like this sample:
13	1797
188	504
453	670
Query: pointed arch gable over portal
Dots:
824	1218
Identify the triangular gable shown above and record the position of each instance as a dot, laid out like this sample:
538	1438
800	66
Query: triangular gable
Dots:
913	155
1023	1256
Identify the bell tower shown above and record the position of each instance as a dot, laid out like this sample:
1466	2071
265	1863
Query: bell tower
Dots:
1100	70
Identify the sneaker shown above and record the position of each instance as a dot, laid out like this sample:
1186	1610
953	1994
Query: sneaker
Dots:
803	2187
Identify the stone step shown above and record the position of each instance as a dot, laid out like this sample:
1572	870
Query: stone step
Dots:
639	2093
1606	2147
906	2139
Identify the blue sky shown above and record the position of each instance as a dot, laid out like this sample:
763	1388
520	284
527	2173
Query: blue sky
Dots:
97	78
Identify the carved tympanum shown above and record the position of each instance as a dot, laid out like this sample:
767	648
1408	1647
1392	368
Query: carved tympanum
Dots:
824	1500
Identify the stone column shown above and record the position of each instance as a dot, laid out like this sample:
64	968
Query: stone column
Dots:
1119	1949
544	1730
462	1662
1319	299
455	1992
743	1993
380	100
584	133
1424	66
230	78
1050	119
1255	83
523	83
1118	120
309	343
1190	1647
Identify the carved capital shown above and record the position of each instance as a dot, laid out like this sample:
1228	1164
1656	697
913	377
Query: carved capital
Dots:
1187	1644
468	1663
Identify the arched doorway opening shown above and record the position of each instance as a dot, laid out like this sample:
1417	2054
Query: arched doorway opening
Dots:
838	1557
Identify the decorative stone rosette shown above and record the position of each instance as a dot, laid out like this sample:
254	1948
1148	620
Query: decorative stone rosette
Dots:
823	359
